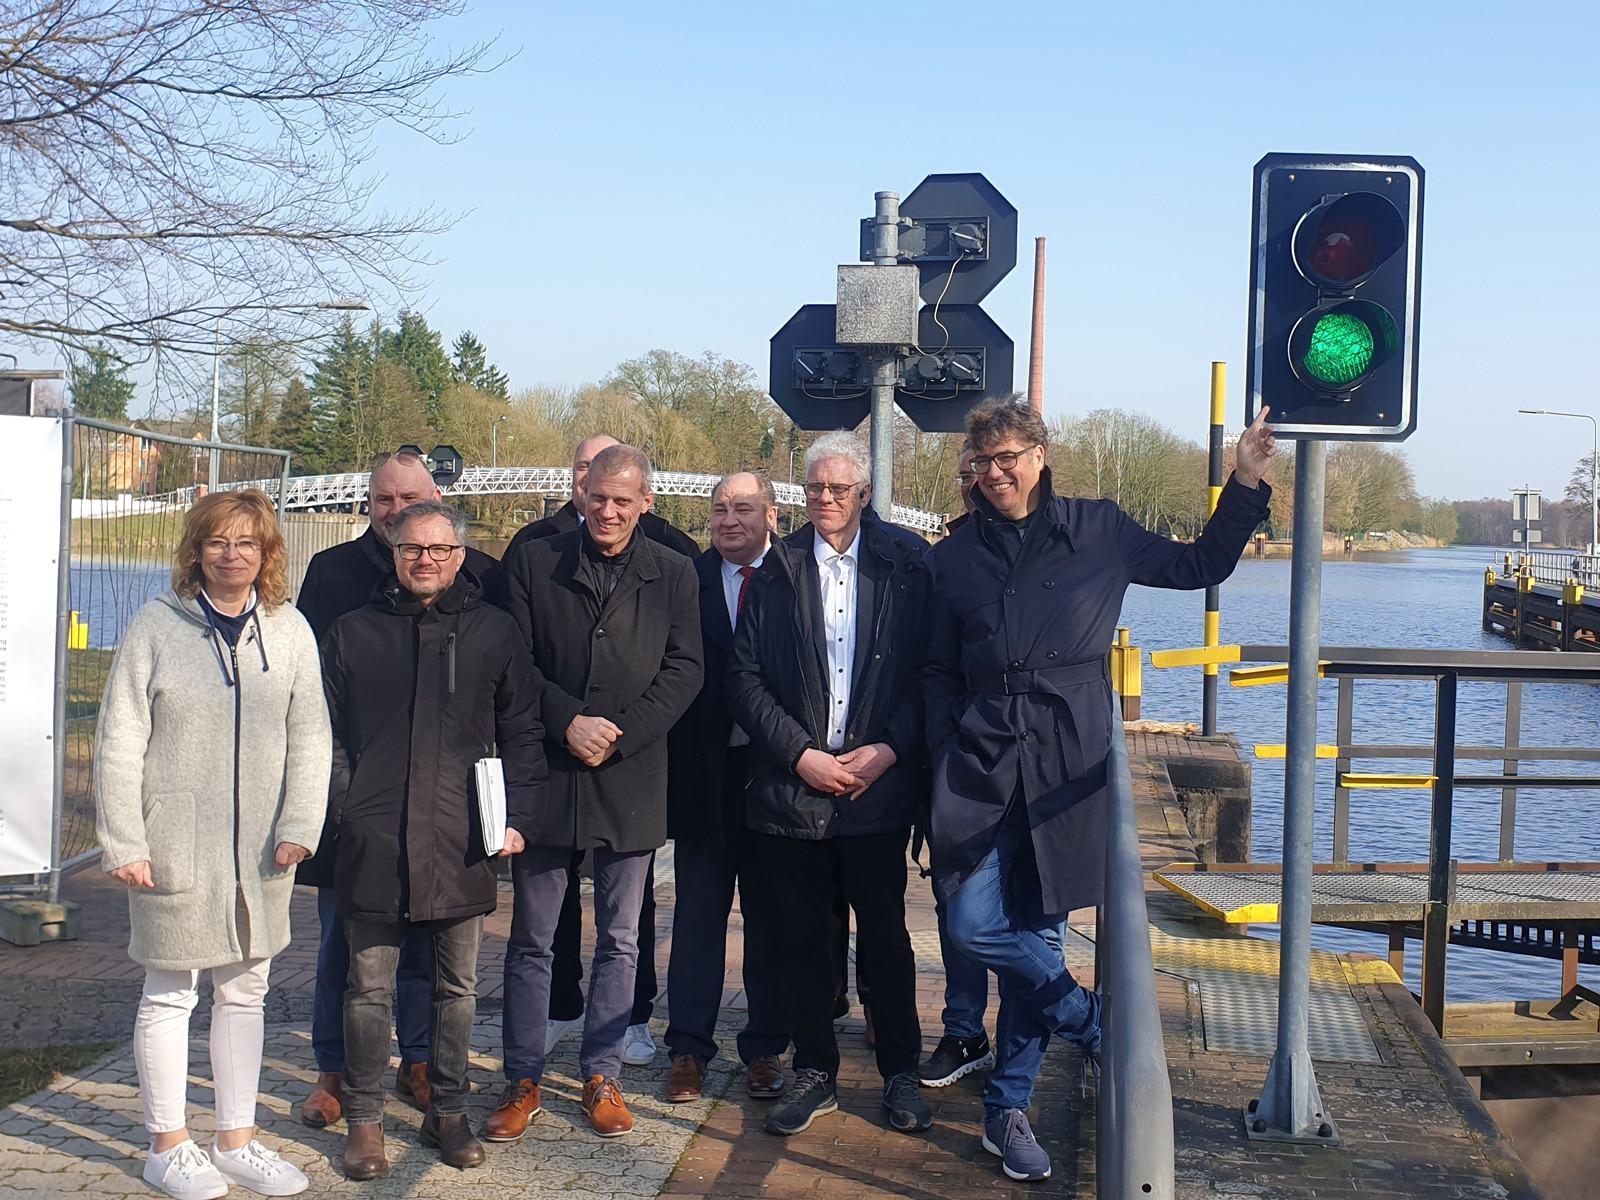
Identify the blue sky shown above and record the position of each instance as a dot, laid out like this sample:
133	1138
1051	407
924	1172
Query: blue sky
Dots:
685	176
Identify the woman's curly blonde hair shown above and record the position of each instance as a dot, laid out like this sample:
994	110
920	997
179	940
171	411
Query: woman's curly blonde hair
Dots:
216	512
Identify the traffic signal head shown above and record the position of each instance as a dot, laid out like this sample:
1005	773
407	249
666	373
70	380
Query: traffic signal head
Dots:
1334	296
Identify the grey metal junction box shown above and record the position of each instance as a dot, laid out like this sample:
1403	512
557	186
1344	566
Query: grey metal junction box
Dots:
877	306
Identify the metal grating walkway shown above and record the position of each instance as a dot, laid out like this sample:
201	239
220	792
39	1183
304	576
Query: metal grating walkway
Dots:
1251	893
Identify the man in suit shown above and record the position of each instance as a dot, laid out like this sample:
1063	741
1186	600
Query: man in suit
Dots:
340	580
613	622
566	979
709	769
824	680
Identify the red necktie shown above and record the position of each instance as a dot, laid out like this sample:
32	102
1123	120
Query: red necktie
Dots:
744	590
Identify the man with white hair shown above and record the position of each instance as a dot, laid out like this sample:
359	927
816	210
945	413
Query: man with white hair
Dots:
340	580
823	679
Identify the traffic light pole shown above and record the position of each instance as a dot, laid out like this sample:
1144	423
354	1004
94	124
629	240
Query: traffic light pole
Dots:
1290	1108
885	253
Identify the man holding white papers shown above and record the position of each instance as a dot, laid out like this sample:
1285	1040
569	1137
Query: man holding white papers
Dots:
422	683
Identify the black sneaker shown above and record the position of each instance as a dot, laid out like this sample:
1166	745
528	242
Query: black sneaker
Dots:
810	1096
954	1058
908	1111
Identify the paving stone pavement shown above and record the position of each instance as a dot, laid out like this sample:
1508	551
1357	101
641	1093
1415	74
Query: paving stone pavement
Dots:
86	1135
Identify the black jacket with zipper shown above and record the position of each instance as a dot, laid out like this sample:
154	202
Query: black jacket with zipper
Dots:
778	685
339	580
417	696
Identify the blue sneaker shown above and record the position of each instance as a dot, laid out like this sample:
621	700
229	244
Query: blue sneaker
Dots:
1008	1135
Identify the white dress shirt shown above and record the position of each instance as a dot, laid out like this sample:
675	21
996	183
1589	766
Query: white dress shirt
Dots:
838	575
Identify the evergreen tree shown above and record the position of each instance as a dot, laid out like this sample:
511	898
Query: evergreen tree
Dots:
470	359
494	382
100	385
296	430
417	346
341	384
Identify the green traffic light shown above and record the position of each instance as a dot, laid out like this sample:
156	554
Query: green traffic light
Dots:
1341	348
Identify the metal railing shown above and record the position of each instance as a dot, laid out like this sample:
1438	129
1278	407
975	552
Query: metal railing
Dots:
1555	567
1445	669
1134	1131
350	488
119	533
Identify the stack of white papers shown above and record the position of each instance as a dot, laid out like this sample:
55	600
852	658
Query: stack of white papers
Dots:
491	780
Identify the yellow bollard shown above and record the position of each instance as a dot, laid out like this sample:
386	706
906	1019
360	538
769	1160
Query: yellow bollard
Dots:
1127	672
77	633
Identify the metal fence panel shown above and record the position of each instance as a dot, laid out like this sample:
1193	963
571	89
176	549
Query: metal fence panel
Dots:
131	488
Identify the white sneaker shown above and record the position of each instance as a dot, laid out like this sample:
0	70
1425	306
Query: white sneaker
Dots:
263	1171
638	1046
185	1173
554	1031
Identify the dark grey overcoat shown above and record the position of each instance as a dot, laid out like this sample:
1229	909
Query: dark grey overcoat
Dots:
634	658
1016	687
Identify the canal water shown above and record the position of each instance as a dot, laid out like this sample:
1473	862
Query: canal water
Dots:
1420	598
1417	598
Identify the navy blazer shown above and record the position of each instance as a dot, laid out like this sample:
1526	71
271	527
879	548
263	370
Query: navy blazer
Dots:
1015	681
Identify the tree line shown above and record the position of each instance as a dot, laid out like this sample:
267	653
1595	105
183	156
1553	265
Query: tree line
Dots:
375	386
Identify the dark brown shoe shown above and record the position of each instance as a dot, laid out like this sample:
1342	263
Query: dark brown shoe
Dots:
765	1078
608	1115
325	1105
872	1034
363	1152
411	1081
688	1079
453	1138
519	1104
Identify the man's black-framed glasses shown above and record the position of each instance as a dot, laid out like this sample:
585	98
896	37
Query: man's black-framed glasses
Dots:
1005	459
837	490
411	551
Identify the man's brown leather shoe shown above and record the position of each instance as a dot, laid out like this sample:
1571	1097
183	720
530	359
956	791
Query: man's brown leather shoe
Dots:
687	1080
765	1078
363	1152
411	1081
608	1115
453	1137
325	1105
519	1104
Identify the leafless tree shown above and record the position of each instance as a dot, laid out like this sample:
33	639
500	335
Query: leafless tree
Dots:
171	166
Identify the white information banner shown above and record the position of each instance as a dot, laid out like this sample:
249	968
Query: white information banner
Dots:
30	543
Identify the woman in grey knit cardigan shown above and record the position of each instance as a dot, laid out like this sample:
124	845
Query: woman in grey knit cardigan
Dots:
211	778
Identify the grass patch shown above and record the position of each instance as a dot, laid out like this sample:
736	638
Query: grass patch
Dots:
25	1071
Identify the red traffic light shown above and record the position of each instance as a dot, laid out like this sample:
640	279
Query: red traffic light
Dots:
1342	241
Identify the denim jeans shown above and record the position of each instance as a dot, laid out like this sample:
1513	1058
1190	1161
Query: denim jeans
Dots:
540	877
413	988
375	949
966	988
995	918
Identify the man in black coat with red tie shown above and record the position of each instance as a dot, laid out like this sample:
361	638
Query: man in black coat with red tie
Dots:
708	771
1025	597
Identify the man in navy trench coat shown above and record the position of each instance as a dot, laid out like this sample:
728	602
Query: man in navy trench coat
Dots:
1025	600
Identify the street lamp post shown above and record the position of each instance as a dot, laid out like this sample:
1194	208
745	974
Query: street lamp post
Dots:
1594	470
216	363
494	441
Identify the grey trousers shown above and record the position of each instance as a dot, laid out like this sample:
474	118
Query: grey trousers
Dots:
369	1006
540	877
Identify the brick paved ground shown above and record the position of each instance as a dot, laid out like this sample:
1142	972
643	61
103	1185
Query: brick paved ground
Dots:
1410	1125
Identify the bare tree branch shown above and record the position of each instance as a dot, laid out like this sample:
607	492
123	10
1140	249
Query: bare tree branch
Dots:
165	163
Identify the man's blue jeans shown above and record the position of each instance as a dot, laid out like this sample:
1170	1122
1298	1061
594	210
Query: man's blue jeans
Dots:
966	988
413	990
995	918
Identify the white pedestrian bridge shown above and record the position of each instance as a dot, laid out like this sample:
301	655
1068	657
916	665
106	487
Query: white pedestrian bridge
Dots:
342	491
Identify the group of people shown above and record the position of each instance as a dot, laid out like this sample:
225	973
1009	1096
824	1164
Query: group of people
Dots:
786	710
